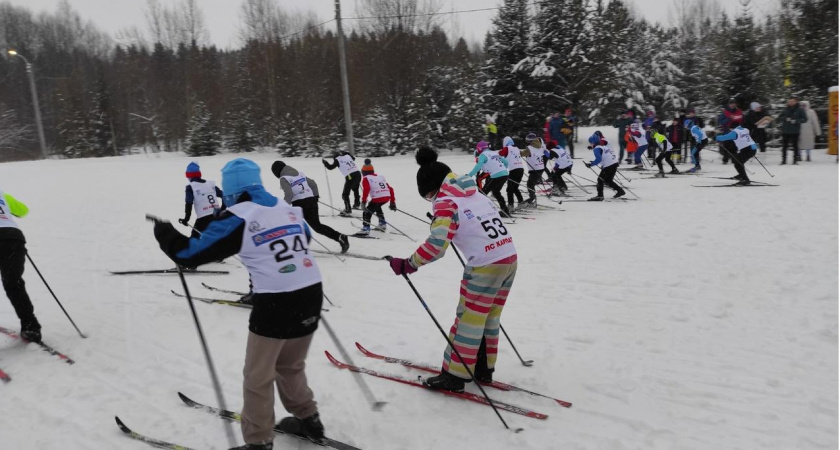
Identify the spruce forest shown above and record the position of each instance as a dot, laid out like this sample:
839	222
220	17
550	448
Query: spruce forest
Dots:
163	87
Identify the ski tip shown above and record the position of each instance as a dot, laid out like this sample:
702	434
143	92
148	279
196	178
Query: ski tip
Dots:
528	363
122	426
564	403
361	349
185	399
518	430
377	406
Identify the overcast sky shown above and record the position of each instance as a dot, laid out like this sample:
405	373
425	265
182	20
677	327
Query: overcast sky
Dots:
222	16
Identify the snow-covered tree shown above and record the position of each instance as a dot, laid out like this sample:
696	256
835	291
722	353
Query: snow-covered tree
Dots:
202	135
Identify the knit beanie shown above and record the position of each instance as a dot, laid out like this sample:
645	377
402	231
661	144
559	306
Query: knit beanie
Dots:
755	105
367	168
431	173
277	168
193	171
238	176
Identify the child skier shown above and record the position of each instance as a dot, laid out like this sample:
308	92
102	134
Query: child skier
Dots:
700	141
474	225
301	191
535	160
346	164
562	164
639	135
746	146
631	145
516	169
380	193
202	195
12	259
668	150
495	166
604	156
272	241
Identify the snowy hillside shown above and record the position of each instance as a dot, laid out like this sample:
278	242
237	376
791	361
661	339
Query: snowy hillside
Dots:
693	318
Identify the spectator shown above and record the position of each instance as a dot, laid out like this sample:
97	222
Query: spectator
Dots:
546	132
809	130
674	134
791	119
756	121
492	133
622	122
730	117
568	129
555	132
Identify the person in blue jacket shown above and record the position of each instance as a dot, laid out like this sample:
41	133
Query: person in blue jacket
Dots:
605	156
746	146
700	141
494	167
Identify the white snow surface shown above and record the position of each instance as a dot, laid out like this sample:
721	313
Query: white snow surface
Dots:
694	318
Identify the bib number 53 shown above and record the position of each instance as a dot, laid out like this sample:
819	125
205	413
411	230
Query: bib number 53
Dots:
494	228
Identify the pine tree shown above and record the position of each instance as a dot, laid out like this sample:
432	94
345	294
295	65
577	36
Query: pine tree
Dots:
101	123
465	113
73	128
810	47
202	136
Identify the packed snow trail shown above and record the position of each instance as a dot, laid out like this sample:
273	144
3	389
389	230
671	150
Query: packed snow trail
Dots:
691	319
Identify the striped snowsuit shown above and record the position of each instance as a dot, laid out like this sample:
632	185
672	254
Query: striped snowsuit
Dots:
484	289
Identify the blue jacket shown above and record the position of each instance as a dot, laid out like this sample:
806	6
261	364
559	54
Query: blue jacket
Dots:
731	137
554	132
597	152
482	158
697	133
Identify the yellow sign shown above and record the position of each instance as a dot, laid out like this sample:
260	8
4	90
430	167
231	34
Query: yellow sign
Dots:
833	110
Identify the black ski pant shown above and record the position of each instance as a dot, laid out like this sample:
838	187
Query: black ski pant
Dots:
557	177
200	225
494	186
606	177
12	259
534	178
371	209
310	214
513	185
351	183
790	139
740	159
727	151
666	156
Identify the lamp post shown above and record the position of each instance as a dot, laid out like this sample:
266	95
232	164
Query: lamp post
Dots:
35	104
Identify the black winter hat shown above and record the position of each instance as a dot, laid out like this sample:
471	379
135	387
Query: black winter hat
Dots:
277	168
431	173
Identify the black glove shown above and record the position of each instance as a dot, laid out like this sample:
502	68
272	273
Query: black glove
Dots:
325	163
184	222
393	206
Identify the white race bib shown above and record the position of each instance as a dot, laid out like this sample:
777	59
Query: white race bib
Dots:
300	188
514	158
378	187
204	198
743	139
6	220
494	163
481	236
346	165
608	157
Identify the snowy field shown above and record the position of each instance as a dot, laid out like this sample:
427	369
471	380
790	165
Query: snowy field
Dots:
690	319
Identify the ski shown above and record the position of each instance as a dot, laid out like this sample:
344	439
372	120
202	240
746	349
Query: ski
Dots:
417	383
352	255
373	228
362	236
432	369
754	184
168	271
5	377
215	301
230	415
226	291
151	441
43	346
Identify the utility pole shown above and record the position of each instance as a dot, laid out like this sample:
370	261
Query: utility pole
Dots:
35	105
345	88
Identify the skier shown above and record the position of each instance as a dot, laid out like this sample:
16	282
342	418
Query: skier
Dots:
535	160
202	195
474	225
495	166
346	164
301	191
380	193
12	259
746	146
631	145
668	150
562	164
640	137
604	156
272	241
516	169
700	141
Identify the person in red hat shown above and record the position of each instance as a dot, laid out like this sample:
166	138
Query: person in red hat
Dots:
203	196
380	193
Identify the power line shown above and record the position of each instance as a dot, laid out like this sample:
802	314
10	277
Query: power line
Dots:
439	13
305	29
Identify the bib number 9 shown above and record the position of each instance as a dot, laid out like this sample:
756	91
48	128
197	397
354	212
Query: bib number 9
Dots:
494	228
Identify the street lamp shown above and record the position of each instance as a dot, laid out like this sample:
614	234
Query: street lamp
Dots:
35	105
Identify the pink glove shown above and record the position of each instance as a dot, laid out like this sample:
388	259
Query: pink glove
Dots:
401	266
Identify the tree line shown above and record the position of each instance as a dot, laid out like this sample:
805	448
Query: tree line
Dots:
168	89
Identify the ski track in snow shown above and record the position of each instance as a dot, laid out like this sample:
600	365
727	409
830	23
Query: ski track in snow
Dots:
692	319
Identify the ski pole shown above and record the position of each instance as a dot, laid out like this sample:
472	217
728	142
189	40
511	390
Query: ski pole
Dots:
220	398
329	301
329	190
525	363
54	296
765	168
616	182
452	346
412	216
330	206
623	176
574	181
367	222
375	405
735	160
328	250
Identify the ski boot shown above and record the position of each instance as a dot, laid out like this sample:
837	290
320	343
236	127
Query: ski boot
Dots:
357	205
694	169
597	198
266	446
639	166
743	182
674	171
247	299
446	382
310	427
344	243
619	194
484	376
346	212
660	174
383	225
31	330
505	212
365	231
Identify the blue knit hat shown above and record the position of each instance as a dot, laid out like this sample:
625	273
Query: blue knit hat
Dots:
193	171
238	176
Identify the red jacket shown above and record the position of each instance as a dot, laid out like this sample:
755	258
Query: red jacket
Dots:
366	192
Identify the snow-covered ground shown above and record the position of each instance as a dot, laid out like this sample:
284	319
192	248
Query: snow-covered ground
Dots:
690	319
